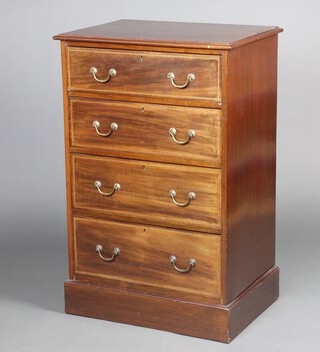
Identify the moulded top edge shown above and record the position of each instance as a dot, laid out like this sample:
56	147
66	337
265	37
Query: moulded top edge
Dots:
171	34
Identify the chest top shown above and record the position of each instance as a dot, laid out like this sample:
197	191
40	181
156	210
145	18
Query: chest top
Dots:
172	34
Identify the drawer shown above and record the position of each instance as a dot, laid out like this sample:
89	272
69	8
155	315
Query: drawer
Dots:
144	256
142	131
144	192
145	74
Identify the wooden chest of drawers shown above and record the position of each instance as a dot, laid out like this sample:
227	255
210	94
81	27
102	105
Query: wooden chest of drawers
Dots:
170	132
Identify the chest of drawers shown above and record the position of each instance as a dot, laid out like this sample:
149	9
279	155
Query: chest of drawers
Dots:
170	134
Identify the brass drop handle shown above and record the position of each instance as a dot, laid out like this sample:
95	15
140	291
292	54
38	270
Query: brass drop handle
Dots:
190	77
98	186
115	253
173	193
113	127
94	71
192	263
173	132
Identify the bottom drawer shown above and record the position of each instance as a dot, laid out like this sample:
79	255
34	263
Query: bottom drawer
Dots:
143	255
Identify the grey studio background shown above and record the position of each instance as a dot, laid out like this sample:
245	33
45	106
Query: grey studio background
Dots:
33	242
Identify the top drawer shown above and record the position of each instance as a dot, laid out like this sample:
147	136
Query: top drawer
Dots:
137	75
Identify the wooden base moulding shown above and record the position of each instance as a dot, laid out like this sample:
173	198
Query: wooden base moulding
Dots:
215	322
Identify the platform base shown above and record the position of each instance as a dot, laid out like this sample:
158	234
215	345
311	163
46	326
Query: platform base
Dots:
214	322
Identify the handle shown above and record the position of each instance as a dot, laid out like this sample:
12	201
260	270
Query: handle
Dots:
98	185
173	132
113	127
190	77
115	253
192	263
173	193
94	71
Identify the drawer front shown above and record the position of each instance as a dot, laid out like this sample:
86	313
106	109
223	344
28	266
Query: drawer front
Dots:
145	74
142	131
144	256
144	193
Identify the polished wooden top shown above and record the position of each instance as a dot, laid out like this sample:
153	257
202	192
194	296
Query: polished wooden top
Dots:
173	34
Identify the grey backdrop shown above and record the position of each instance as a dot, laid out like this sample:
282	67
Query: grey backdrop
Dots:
33	255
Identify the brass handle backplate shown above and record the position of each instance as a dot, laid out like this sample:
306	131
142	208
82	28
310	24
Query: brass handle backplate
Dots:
94	71
191	264
173	193
173	132
113	127
190	77
115	253
98	185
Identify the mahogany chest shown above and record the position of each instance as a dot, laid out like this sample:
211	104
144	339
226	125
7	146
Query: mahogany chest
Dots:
170	137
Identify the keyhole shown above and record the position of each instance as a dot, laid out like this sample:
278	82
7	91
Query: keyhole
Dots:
142	109
141	58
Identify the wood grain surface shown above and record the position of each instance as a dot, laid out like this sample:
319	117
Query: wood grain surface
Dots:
144	256
143	131
171	34
251	162
144	194
67	161
141	73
